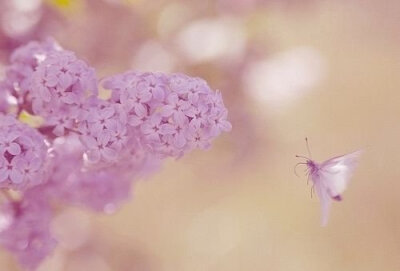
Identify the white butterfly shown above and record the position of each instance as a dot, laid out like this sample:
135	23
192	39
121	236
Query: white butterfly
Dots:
330	178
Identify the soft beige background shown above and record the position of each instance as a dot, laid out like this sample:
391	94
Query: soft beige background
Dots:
239	206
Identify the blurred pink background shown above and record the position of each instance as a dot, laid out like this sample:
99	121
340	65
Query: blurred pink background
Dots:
287	69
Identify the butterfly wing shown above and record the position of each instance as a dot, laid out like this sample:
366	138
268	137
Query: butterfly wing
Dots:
324	199
335	173
330	179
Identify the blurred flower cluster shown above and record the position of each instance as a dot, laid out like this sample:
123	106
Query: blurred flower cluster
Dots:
67	137
21	21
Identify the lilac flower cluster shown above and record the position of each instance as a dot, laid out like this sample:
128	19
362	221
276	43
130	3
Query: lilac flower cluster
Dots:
24	61
86	150
23	153
25	231
170	114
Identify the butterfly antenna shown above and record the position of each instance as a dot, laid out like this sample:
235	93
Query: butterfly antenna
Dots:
300	156
308	148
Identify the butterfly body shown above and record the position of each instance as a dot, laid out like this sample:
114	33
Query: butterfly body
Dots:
312	167
330	178
314	171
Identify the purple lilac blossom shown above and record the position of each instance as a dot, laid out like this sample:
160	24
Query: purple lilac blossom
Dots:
61	79
103	132
26	229
170	114
23	154
89	151
23	62
59	88
99	189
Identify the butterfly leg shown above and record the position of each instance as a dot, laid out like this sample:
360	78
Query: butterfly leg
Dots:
294	169
312	191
